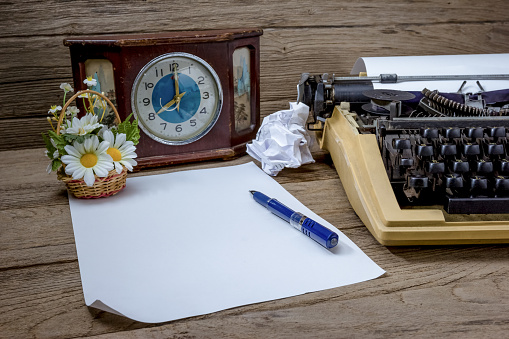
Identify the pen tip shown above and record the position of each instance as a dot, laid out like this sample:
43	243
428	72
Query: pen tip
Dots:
252	192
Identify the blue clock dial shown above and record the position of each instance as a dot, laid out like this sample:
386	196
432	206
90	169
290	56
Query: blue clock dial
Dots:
177	98
164	92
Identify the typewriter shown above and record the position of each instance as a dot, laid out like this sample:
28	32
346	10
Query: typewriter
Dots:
420	167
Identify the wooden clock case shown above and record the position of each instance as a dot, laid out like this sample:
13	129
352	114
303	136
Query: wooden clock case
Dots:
129	53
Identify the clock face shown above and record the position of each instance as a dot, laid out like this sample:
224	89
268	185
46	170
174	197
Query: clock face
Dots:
177	98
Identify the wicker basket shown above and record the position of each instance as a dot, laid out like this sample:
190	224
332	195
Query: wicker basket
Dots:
102	187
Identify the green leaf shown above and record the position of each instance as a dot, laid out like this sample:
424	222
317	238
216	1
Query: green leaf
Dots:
55	164
131	130
59	141
49	146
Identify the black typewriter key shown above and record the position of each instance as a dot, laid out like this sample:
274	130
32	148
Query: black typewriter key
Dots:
448	149
460	166
497	132
474	132
452	132
453	180
401	143
424	150
495	149
478	184
484	166
502	184
504	166
418	181
406	162
431	133
435	167
471	149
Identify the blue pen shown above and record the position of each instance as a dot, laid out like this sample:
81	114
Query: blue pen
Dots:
309	227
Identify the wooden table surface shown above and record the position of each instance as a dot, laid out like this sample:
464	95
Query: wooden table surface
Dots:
428	291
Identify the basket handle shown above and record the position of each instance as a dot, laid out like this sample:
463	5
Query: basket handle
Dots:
71	99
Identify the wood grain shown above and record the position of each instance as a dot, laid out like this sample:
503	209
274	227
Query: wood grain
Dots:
427	292
434	291
29	18
285	54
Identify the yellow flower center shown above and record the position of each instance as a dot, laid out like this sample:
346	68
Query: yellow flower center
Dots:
114	153
89	160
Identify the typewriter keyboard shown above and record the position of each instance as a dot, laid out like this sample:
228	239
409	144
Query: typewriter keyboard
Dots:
463	167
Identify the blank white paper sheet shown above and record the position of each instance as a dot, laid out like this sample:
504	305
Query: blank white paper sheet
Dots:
468	64
189	243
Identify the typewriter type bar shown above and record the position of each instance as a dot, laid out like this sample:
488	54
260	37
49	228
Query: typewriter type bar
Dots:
421	167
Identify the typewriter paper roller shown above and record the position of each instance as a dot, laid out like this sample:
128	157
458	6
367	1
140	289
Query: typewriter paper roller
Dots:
372	168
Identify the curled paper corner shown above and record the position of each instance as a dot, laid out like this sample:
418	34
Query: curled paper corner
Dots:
103	307
282	140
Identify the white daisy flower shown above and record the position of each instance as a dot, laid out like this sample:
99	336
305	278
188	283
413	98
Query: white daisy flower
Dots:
120	150
54	109
66	87
82	126
102	130
83	95
72	110
87	160
89	81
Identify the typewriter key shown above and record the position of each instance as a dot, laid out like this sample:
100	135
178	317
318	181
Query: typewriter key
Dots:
453	180
471	149
495	149
424	150
448	149
497	132
484	166
453	132
461	166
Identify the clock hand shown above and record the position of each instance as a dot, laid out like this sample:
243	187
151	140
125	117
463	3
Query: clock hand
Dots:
176	100
176	78
164	108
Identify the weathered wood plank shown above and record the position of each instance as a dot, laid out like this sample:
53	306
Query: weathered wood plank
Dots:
299	49
463	287
284	55
31	18
439	291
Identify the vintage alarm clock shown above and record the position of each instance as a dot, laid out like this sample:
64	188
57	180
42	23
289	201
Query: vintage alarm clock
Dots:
196	94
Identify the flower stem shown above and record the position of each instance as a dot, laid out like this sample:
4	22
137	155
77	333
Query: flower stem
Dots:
91	105
52	127
85	105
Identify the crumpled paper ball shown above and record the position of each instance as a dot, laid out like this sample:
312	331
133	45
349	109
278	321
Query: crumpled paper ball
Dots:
282	140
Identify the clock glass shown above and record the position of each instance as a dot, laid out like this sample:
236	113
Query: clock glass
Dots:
177	98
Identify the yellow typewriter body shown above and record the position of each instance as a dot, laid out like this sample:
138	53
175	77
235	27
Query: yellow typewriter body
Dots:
361	169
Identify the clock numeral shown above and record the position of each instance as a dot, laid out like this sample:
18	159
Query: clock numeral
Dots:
201	80
146	101
151	116
204	110
164	125
174	66
178	128
193	122
159	72
205	95
148	85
